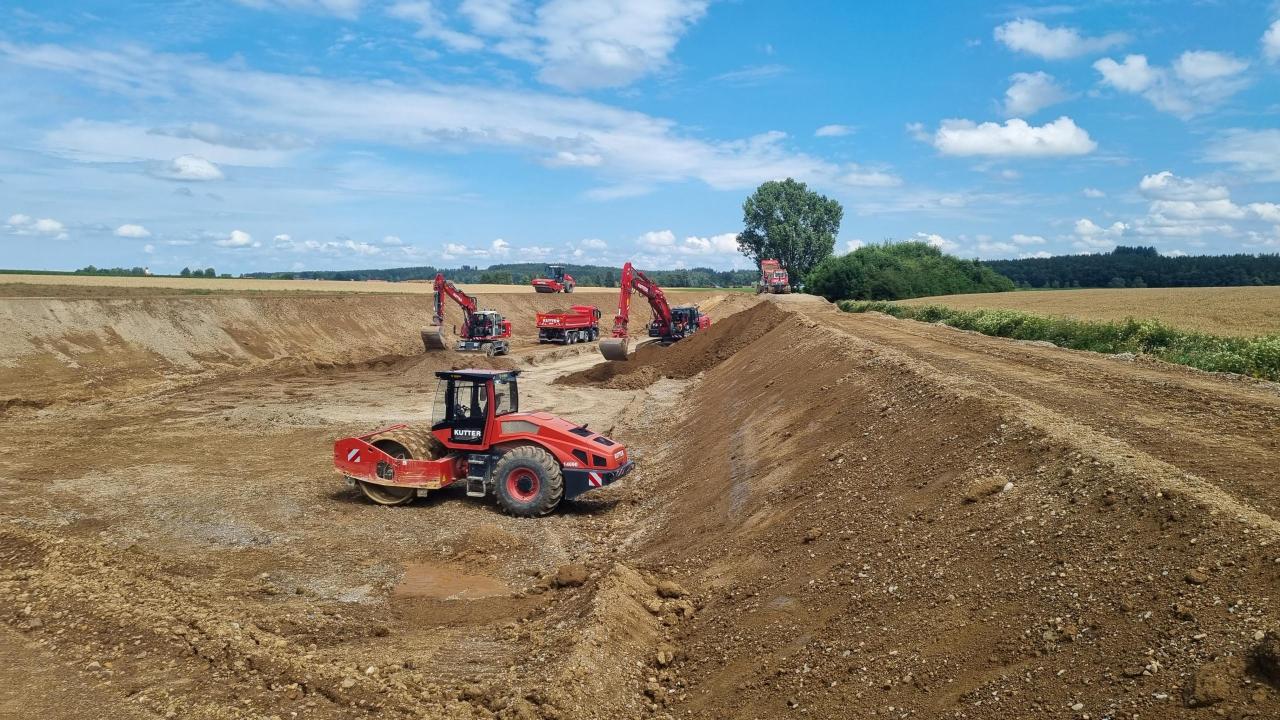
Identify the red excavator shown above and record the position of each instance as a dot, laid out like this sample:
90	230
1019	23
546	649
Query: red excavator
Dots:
482	330
557	280
529	460
668	325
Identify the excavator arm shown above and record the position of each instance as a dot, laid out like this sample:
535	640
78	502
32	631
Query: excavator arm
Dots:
615	348
433	337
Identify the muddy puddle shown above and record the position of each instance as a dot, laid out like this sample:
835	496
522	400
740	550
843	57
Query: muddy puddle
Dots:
437	582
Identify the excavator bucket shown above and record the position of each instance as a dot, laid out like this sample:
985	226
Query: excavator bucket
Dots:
433	338
614	348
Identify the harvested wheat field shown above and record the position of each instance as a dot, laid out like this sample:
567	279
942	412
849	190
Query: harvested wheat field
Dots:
832	516
1240	311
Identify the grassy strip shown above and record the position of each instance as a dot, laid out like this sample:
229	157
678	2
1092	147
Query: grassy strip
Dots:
1256	356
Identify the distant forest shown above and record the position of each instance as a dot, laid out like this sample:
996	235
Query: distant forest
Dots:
1138	267
522	273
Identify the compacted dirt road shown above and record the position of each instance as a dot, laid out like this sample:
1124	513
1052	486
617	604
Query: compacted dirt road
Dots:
833	516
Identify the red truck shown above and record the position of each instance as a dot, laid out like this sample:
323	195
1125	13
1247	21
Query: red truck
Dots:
580	324
773	279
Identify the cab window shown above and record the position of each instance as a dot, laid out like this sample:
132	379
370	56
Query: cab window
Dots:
505	398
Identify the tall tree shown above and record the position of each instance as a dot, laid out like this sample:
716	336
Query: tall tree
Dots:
786	221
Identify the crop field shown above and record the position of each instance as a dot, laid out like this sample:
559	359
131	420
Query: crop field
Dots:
1239	311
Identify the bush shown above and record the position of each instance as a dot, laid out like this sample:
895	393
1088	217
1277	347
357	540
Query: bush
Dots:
896	271
1258	357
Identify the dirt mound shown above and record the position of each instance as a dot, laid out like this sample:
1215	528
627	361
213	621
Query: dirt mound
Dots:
686	358
861	532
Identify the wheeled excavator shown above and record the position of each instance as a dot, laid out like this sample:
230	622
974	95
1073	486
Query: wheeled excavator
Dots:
668	324
482	330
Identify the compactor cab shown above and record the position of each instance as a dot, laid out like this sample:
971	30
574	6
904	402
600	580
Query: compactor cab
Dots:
462	406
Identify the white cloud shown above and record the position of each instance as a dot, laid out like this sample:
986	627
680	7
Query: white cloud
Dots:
858	176
535	252
500	247
1256	152
20	224
1015	138
96	141
237	239
834	131
752	75
657	239
565	158
851	245
1197	81
1093	193
1031	92
1035	38
575	44
1091	236
148	248
430	115
593	244
721	244
1271	42
190	168
348	9
130	230
1039	254
996	248
937	241
432	25
1269	212
283	238
1167	186
392	240
1020	239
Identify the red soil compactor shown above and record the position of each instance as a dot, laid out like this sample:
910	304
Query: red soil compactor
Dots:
529	460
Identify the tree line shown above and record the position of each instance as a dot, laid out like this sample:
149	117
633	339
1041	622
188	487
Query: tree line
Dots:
1138	267
896	271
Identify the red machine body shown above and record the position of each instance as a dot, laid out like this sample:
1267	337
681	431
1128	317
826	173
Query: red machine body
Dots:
487	443
668	324
580	324
773	278
557	280
482	330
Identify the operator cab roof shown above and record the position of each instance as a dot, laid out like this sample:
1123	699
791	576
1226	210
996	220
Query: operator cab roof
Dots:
477	374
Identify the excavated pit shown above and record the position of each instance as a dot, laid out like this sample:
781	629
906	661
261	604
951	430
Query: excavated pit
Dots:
825	522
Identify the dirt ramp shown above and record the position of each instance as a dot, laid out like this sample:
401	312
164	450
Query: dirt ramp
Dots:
687	358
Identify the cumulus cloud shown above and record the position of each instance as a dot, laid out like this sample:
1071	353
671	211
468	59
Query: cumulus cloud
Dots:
574	44
237	239
1092	236
392	240
858	176
500	247
1269	212
20	224
1196	81
1015	138
834	131
1020	239
1053	43
593	244
1271	42
721	244
130	230
1093	193
1030	92
189	168
851	245
657	239
937	241
1167	186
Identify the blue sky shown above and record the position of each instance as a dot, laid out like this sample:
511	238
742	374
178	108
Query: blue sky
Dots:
325	134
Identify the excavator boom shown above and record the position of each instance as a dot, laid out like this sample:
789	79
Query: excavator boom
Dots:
615	347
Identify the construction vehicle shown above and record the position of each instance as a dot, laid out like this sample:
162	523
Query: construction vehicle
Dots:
483	331
773	279
557	280
580	324
668	323
529	460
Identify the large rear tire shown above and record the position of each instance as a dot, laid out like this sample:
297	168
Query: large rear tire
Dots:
529	482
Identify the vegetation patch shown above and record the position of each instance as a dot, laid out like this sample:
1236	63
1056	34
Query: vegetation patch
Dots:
896	271
1256	356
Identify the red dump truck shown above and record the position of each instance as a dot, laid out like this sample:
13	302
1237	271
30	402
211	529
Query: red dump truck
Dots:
580	323
773	279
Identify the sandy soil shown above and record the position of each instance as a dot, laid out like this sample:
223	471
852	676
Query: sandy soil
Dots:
834	516
1244	311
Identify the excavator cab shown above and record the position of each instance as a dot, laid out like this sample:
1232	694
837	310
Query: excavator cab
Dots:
685	321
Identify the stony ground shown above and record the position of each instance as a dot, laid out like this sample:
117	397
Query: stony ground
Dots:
835	516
